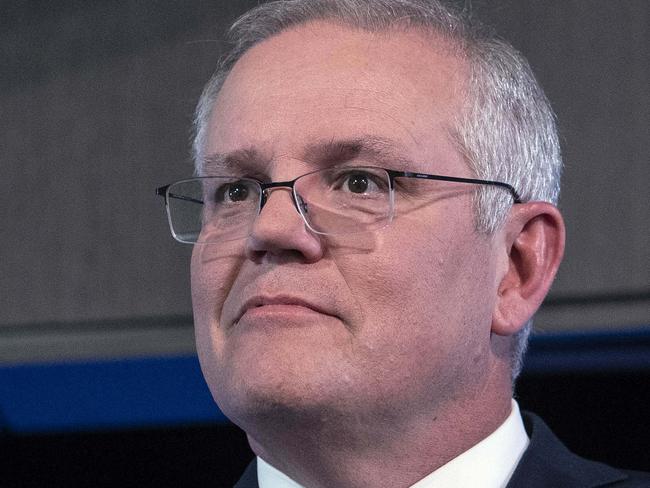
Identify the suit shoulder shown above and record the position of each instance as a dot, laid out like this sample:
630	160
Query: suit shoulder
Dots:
635	479
548	463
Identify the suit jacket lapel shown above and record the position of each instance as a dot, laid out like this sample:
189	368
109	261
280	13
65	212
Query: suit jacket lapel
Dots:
249	478
548	463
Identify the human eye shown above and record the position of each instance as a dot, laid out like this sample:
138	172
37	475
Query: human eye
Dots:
232	192
360	181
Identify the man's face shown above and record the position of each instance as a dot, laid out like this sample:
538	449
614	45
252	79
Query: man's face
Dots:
370	322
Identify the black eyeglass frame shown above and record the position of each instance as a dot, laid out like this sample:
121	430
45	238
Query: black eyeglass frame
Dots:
392	174
162	191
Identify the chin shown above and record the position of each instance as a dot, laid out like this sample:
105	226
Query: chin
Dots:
249	402
278	384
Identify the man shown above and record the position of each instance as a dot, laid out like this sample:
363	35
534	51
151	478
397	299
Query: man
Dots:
375	228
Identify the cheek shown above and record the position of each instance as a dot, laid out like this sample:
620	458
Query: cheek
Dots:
395	279
414	290
213	271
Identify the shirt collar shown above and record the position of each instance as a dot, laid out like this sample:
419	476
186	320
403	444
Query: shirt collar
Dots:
488	464
270	477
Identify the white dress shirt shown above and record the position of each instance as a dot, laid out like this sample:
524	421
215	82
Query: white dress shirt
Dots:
488	464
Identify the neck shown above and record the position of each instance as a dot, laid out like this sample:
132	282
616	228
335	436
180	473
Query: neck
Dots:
361	450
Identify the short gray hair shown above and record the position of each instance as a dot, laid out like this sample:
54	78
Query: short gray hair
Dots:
506	129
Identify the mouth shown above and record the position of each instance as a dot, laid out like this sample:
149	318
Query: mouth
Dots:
280	304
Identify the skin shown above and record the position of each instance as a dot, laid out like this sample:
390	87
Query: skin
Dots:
400	348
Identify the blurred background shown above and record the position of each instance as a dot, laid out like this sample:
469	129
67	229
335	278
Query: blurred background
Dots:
98	375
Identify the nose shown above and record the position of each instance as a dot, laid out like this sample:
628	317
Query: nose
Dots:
280	231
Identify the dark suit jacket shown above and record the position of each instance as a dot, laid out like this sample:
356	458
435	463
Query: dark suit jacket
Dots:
545	464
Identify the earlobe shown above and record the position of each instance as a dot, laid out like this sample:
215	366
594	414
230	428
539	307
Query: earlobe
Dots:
534	243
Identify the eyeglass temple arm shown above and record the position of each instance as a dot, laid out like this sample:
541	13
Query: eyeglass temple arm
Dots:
456	179
162	191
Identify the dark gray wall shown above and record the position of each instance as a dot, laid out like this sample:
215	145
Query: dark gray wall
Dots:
96	104
593	59
96	101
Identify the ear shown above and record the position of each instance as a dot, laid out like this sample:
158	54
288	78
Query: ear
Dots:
533	241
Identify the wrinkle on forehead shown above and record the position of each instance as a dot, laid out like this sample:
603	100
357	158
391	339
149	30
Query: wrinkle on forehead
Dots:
367	149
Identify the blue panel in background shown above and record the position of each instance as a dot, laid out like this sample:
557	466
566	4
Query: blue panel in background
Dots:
608	351
170	391
99	395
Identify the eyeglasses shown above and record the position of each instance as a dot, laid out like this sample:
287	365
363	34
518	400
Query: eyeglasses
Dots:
337	200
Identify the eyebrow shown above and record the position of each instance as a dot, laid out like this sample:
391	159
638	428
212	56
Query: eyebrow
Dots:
234	163
321	154
379	150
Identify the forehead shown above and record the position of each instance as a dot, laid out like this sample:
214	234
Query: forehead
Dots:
322	81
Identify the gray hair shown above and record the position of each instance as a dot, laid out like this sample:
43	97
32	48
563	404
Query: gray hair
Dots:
506	129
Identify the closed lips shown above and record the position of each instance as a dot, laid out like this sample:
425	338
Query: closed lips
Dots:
260	301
